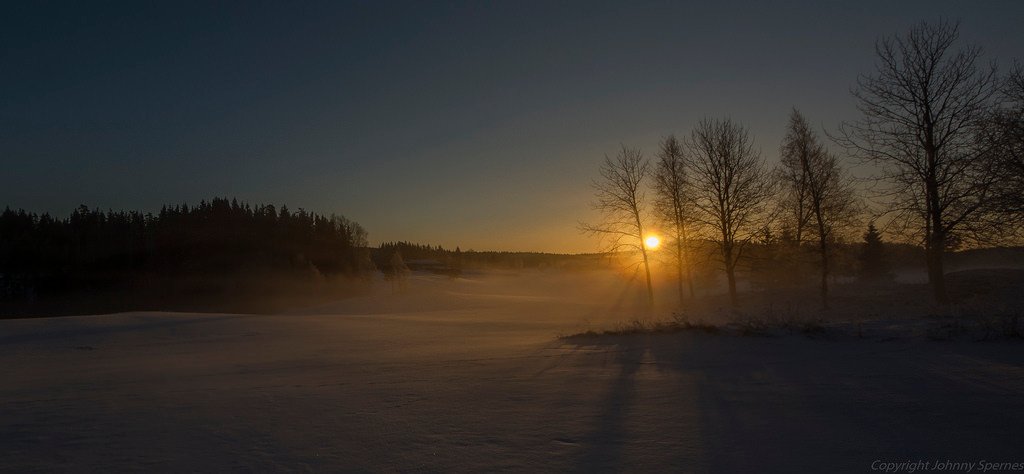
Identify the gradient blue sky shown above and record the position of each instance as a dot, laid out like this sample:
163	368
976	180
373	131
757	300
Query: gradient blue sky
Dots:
472	124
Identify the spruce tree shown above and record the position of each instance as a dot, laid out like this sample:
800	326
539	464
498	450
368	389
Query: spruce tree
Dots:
873	265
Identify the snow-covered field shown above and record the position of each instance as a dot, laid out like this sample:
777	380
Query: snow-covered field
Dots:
468	375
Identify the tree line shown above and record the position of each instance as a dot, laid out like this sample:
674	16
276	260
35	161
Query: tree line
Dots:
392	257
221	237
943	130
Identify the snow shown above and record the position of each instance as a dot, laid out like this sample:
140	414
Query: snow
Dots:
469	375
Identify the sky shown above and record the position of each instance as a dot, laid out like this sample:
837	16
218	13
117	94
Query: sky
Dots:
471	124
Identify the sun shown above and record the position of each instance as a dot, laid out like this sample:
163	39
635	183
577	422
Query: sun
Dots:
652	242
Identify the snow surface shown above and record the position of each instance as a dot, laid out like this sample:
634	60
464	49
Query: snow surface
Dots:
468	375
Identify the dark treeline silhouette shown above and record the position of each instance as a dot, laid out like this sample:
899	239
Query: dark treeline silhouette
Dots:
217	255
396	259
782	261
411	251
42	255
779	261
437	259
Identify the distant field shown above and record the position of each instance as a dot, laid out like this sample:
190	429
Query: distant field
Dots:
469	375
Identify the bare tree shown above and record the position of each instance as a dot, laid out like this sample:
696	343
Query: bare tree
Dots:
1006	135
797	146
921	114
621	202
816	186
673	206
730	186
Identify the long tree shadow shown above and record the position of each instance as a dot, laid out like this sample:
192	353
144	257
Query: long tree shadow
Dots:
629	431
792	404
606	441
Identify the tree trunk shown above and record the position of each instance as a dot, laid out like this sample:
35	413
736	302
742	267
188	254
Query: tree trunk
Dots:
824	274
730	275
689	272
689	280
679	267
647	268
936	276
936	243
643	252
823	248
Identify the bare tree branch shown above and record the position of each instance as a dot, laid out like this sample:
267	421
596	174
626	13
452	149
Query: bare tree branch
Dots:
731	188
674	207
817	191
620	198
922	112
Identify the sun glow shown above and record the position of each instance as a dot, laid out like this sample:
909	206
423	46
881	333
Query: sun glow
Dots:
652	242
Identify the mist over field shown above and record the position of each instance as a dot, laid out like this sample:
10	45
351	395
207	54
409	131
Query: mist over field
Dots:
470	374
511	236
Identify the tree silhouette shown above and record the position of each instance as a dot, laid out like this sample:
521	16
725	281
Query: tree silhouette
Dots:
922	111
874	266
731	188
92	248
673	206
1006	136
818	191
621	201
